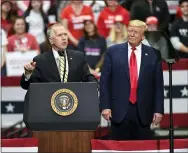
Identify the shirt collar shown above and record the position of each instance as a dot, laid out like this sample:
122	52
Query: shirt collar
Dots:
55	53
137	47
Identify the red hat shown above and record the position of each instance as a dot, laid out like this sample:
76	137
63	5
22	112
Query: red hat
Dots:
152	20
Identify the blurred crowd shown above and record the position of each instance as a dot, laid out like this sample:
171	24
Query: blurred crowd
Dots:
92	26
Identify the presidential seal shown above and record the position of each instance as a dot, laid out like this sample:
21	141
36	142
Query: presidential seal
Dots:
64	102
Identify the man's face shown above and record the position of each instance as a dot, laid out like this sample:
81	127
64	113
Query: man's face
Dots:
152	27
135	35
59	37
184	8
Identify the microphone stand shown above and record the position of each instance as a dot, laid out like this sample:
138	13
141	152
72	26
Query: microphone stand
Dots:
170	56
171	130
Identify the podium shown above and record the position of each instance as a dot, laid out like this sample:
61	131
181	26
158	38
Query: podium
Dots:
62	116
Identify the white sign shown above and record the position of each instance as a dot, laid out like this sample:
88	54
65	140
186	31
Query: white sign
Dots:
15	62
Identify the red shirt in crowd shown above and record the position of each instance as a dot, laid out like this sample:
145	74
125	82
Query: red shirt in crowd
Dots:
75	22
7	26
106	19
27	42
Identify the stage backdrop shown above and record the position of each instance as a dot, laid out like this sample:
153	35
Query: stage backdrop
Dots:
13	96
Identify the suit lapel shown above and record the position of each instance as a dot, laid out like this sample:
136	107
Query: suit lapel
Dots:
53	66
126	60
70	58
144	60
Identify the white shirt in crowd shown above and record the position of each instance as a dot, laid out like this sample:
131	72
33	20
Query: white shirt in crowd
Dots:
23	5
36	26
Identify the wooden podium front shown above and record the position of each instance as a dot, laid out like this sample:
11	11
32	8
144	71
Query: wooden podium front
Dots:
65	141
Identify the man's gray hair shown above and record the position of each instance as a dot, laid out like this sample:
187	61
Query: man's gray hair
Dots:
51	29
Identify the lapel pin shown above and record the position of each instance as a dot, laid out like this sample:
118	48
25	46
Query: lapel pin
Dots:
146	54
71	58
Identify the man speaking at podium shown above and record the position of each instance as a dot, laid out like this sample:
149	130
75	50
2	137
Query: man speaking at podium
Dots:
59	65
131	87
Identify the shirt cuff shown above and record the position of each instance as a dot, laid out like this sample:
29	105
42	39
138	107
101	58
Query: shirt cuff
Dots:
27	77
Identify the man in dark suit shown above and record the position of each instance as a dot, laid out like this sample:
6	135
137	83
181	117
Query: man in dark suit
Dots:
58	65
131	87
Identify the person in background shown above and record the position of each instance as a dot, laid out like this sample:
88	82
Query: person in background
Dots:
156	40
21	40
45	46
4	43
179	31
131	87
107	15
23	5
127	4
118	33
62	4
36	20
141	9
52	12
93	46
7	16
73	16
178	12
97	6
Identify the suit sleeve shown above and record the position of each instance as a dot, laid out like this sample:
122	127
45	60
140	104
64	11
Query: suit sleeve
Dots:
159	91
35	77
87	76
105	82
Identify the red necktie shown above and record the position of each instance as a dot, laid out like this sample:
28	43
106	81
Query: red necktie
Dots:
133	77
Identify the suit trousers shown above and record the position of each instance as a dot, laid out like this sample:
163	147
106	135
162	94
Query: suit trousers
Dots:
131	127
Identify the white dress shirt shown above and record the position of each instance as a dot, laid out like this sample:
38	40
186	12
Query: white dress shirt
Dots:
56	56
138	53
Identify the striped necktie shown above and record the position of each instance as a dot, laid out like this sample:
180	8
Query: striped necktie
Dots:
62	67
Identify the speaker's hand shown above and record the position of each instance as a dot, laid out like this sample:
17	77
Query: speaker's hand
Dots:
29	68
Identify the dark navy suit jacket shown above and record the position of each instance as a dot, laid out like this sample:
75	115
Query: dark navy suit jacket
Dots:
115	83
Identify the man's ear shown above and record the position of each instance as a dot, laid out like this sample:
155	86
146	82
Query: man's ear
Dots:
50	40
143	37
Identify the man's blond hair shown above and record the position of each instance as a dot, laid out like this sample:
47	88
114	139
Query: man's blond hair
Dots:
51	28
138	23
